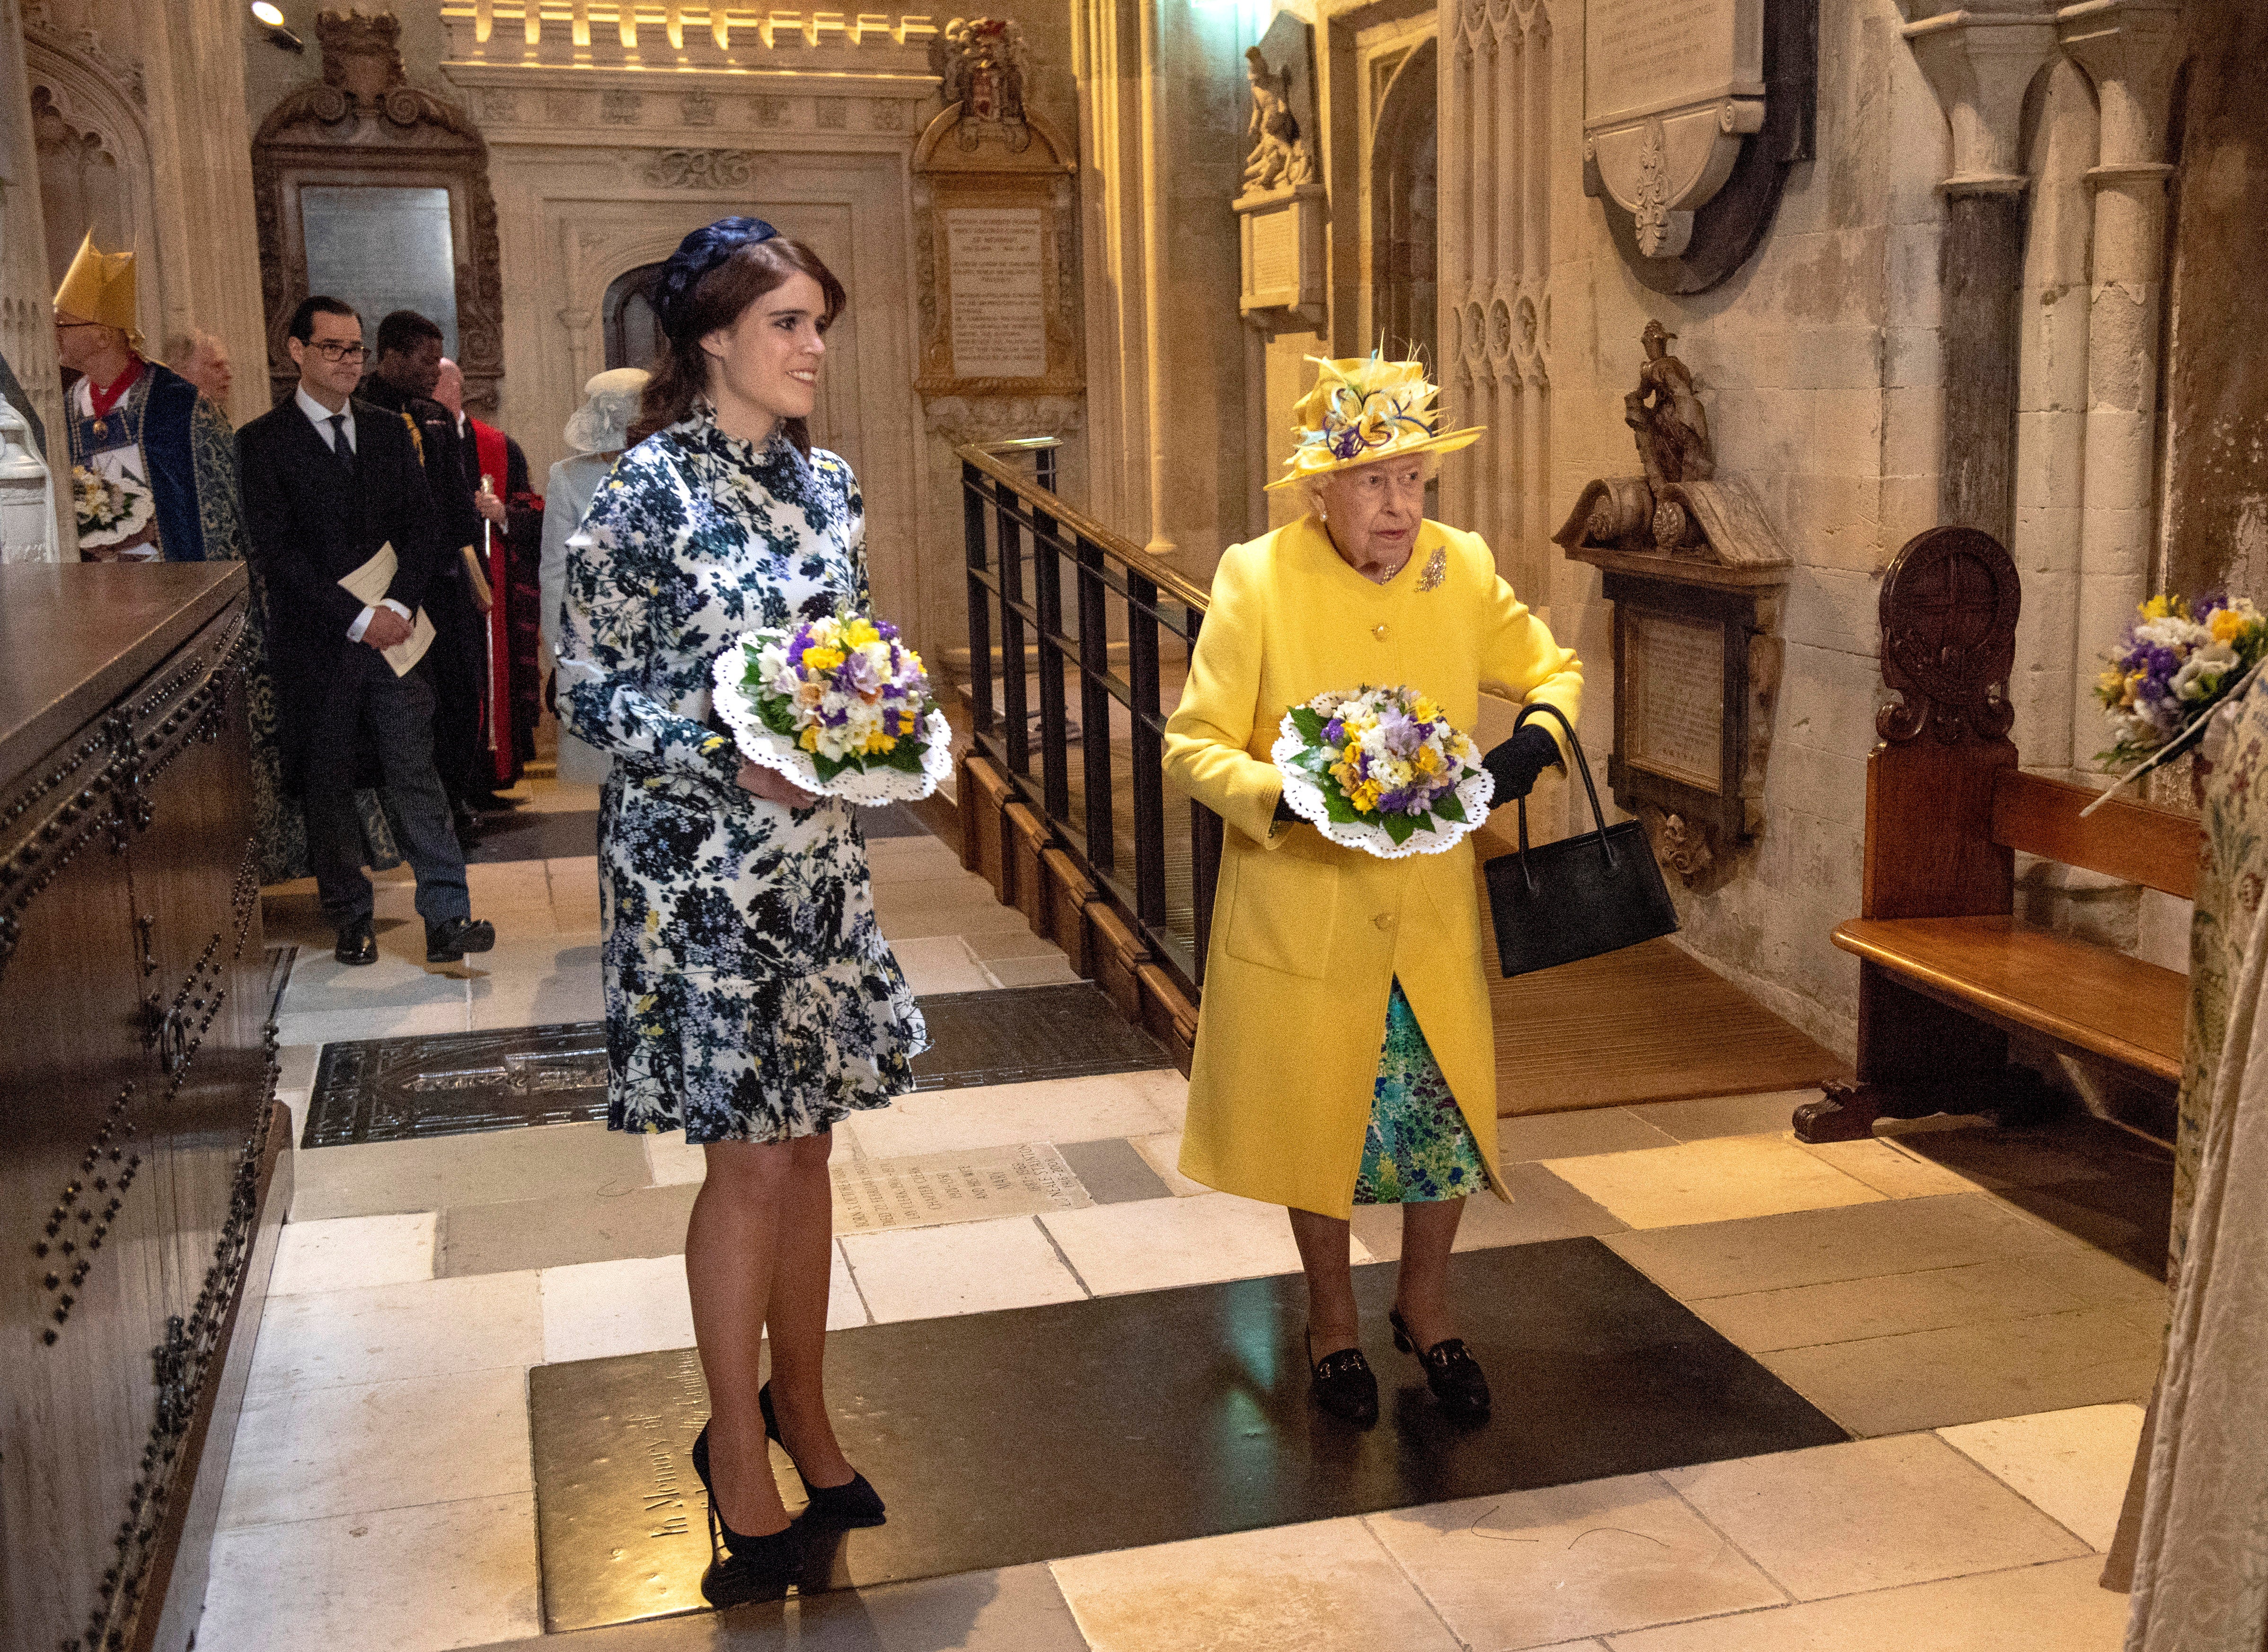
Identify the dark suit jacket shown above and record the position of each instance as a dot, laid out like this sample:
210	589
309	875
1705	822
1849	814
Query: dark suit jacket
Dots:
309	524
447	466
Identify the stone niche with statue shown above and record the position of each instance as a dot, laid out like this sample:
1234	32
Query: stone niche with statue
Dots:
1280	200
1696	574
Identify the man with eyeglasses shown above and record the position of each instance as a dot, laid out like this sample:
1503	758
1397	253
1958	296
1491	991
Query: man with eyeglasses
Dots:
332	485
152	462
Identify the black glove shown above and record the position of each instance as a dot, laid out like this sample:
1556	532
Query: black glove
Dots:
1286	814
1515	764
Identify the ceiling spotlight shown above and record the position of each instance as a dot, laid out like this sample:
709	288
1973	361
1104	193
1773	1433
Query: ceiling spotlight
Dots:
270	17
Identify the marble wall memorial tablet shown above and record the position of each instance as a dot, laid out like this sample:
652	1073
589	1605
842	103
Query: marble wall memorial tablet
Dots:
994	273
1673	673
1692	110
996	220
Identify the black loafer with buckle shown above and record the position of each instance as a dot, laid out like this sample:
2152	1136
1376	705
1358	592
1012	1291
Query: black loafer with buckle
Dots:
1343	1386
1451	1371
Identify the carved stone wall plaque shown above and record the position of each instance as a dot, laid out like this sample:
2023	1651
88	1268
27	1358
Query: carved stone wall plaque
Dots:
1674	677
1282	235
997	257
1692	112
363	124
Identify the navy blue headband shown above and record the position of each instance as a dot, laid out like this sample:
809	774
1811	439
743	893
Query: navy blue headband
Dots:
696	256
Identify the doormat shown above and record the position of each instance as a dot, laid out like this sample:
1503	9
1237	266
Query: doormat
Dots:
449	1084
999	1439
1646	1023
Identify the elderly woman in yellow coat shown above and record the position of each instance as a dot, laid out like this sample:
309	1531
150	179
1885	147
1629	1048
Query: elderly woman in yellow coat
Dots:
1345	1054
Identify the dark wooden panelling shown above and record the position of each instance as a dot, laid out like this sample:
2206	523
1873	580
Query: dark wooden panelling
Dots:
134	1094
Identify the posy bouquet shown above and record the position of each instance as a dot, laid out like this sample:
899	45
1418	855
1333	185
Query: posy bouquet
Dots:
839	705
2178	662
1382	769
110	510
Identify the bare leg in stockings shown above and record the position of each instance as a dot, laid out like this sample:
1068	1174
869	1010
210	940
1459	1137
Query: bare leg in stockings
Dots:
757	1249
1332	1323
1421	1286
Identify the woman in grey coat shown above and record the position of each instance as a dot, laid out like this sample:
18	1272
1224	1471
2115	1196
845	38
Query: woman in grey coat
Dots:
595	436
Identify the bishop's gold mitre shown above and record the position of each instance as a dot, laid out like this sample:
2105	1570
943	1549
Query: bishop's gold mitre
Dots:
99	287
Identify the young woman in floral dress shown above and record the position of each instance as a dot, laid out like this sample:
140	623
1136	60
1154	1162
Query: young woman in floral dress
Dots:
751	999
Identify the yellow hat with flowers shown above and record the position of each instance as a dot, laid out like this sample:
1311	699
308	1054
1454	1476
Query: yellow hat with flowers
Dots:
99	287
1363	409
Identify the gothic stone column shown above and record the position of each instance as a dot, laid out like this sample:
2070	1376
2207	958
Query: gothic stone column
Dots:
1979	64
2129	48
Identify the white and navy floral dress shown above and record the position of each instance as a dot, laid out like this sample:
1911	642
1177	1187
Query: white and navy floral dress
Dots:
750	996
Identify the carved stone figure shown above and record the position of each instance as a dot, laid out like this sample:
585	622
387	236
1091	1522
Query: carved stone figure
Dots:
1671	424
1280	156
982	61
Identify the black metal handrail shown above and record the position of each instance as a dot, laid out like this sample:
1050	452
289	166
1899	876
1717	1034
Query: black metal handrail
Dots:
1020	539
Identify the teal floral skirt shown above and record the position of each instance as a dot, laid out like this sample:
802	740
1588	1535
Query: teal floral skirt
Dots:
1419	1146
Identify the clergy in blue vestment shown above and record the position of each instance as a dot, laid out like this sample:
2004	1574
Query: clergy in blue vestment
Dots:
153	463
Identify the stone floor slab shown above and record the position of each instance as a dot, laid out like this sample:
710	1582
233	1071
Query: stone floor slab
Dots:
1713	1180
561	1231
1932	1379
326	1452
1813	1247
1329	1587
1540	1566
545	1162
2071	1464
1872	1514
339	1583
2057	1608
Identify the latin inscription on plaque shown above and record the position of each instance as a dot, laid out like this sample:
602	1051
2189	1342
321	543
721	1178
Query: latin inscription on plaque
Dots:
1000	307
1674	675
1644	55
1275	251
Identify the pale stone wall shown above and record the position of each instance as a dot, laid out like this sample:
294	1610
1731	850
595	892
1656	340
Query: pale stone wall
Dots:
1819	364
158	85
27	335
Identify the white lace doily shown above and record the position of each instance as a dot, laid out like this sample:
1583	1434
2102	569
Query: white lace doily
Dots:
1306	797
782	755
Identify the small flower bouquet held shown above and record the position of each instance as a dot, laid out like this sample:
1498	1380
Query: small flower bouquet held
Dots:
2178	662
1382	770
840	706
112	511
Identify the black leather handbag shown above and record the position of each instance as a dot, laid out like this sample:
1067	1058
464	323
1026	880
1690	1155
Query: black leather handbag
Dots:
1581	896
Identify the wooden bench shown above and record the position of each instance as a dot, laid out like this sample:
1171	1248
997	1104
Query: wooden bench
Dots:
1946	973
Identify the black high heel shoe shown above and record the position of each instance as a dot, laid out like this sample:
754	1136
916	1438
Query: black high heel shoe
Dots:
742	1568
1451	1372
853	1503
1343	1385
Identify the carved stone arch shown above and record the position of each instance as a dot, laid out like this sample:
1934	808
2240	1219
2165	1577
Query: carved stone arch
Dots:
1405	213
94	160
364	124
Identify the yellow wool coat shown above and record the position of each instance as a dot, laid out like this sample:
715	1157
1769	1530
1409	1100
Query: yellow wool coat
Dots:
1308	937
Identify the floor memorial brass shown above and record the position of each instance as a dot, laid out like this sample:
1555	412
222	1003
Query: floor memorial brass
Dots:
396	1090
